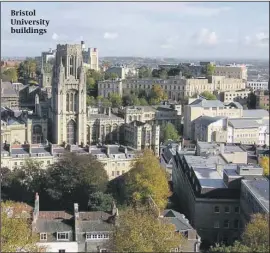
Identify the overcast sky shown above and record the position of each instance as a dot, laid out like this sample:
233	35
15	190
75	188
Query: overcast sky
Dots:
180	30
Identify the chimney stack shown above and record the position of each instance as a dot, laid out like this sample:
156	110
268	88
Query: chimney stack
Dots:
36	212
222	148
109	111
76	219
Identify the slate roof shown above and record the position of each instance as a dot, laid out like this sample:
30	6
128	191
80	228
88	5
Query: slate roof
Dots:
244	123
200	102
207	120
255	113
178	219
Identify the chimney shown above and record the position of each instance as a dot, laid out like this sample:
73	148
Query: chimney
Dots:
183	142
83	45
126	150
222	148
51	148
36	212
109	111
108	150
89	149
114	209
76	220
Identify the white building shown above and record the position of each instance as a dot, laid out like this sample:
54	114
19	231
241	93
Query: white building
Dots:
258	85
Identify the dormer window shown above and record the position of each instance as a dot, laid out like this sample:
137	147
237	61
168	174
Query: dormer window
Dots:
62	236
43	236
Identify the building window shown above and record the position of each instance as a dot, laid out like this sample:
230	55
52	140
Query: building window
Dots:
62	236
118	173
112	173
216	224
43	236
236	223
71	132
227	209
216	209
226	224
237	209
123	172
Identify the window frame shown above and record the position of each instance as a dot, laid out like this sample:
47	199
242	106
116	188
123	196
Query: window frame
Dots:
41	235
215	209
61	239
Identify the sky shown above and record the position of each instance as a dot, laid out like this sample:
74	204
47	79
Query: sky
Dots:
178	30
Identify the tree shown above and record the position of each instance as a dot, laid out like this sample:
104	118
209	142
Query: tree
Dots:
91	101
99	201
73	178
143	232
208	95
110	75
105	102
16	230
143	101
90	83
210	69
147	178
264	163
169	132
115	99
251	101
157	94
254	239
11	75
130	99
144	72
163	74
27	69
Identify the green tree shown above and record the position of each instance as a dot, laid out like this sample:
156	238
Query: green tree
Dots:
147	178
99	201
11	75
16	230
251	103
254	239
115	99
143	232
144	72
130	99
90	83
208	95
168	132
210	69
105	102
90	100
109	75
163	74
73	178
143	101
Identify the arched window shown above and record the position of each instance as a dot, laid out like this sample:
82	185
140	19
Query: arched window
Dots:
71	132
67	103
37	136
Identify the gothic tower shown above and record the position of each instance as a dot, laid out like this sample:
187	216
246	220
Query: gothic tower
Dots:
68	104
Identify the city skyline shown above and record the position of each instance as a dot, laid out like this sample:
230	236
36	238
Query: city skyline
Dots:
176	30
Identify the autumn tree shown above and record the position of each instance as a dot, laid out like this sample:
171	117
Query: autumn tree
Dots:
168	132
143	232
148	178
73	178
16	230
115	99
208	95
157	95
10	75
264	163
254	239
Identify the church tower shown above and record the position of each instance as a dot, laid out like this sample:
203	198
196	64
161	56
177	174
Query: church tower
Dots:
68	104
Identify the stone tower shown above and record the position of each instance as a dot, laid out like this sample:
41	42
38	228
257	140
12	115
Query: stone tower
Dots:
68	102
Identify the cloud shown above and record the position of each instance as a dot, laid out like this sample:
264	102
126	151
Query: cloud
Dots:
170	42
55	36
205	37
110	36
260	39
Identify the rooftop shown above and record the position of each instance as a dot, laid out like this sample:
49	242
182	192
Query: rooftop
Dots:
260	189
255	113
200	102
244	123
206	120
